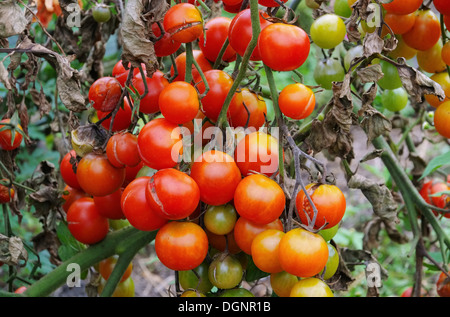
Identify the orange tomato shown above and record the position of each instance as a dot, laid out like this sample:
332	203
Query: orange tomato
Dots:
426	31
442	118
264	250
431	60
442	79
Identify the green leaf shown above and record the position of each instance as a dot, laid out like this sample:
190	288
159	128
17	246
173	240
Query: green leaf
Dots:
69	245
252	272
435	163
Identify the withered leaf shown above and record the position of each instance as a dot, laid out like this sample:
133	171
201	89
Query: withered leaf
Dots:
370	74
12	251
40	100
136	32
4	77
67	80
416	83
12	19
333	133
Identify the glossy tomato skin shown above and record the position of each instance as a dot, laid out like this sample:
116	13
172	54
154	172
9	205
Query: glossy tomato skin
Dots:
217	176
66	169
179	102
219	83
97	176
85	222
402	6
245	231
242	104
155	84
180	63
166	45
120	73
297	101
225	271
122	150
283	47
329	201
311	287
220	220
259	199
6	141
240	33
265	250
181	246
441	119
172	194
328	31
328	71
257	152
70	195
159	144
109	206
442	6
136	209
184	22
104	93
302	253
400	24
426	31
216	33
282	283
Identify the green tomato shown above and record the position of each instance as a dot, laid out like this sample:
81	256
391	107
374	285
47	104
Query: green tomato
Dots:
237	292
190	279
391	78
394	99
328	234
101	13
353	53
220	219
225	271
332	263
342	8
328	31
327	71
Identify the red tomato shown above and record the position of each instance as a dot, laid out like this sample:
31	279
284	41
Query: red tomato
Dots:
219	83
216	33
400	24
184	22
283	47
172	194
243	104
329	202
443	285
217	176
180	63
109	206
426	31
136	209
7	142
259	199
240	32
257	152
67	171
160	144
181	246
105	93
223	242
121	74
6	194
245	231
179	102
97	177
271	3
155	84
302	253
69	195
166	45
297	101
85	222
402	6
443	6
122	120
122	150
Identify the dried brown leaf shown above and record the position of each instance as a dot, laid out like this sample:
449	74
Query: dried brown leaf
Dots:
40	100
12	19
12	251
370	74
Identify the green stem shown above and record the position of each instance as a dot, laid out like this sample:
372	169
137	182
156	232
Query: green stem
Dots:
189	62
256	29
218	60
116	242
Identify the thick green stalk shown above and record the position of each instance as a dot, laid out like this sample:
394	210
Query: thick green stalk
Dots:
117	242
256	29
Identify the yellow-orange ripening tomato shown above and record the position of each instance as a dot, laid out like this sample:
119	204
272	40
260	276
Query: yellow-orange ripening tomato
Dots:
311	287
265	250
302	253
329	201
442	79
431	60
442	118
259	199
297	101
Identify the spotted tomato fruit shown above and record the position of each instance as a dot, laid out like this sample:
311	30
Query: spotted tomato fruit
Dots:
181	245
172	194
329	201
283	47
85	222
